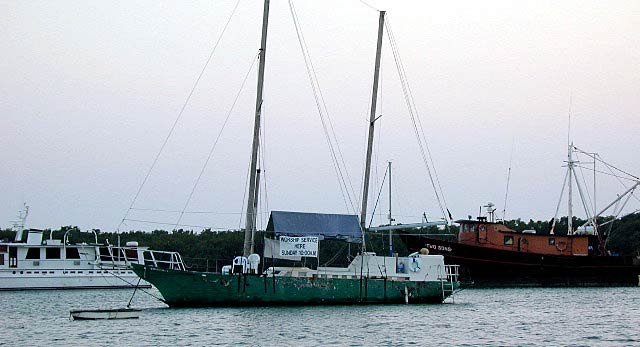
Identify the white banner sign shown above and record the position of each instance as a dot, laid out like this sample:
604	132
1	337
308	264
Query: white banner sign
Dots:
306	246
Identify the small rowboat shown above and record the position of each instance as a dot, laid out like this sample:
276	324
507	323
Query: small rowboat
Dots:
119	313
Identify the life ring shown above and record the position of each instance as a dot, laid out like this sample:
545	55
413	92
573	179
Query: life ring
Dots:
415	265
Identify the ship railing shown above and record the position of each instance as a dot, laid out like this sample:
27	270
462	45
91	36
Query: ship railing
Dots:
452	273
448	281
163	260
117	256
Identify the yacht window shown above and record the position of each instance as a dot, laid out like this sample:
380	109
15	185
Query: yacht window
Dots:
33	253
72	253
1	259
552	241
3	248
131	254
53	253
508	240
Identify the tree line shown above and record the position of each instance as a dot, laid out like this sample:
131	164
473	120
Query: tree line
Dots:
213	248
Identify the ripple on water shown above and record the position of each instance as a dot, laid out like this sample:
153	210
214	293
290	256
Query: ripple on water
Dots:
532	317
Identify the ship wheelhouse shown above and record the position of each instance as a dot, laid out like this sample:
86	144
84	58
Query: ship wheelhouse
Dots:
495	235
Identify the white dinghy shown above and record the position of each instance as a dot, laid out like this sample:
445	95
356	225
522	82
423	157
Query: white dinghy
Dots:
118	313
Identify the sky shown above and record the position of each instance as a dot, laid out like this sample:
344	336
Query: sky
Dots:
90	90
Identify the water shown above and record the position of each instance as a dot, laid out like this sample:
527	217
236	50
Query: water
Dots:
489	317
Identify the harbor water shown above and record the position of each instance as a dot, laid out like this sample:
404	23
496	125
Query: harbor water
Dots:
478	317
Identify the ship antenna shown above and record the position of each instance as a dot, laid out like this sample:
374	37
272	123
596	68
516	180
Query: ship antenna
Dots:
506	193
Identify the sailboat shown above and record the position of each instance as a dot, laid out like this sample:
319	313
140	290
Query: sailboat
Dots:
368	279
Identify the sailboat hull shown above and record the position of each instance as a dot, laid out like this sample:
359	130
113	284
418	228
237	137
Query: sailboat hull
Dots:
201	289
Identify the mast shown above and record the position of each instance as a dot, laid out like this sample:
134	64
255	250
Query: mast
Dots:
570	199
372	120
250	225
390	217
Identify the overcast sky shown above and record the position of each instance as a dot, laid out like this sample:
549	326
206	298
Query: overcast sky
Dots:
89	90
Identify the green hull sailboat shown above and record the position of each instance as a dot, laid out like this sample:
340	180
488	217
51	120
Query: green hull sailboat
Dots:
368	279
431	283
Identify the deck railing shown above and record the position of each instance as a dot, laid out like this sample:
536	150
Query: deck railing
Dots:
164	260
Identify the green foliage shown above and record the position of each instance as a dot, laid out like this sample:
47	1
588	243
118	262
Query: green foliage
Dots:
220	247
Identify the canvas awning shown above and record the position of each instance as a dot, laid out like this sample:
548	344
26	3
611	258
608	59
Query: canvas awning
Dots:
329	226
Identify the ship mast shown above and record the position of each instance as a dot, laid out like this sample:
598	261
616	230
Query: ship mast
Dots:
372	120
570	188
390	216
250	225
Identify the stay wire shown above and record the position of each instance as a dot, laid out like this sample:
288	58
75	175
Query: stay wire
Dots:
326	112
215	142
416	115
369	5
336	156
373	213
175	123
426	154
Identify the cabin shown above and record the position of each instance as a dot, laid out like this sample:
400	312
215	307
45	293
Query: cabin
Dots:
495	235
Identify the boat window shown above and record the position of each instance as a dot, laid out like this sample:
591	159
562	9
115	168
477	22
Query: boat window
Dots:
508	240
552	241
3	248
33	253
72	253
53	253
131	254
1	259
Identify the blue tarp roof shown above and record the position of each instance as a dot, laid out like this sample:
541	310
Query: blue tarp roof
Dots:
336	226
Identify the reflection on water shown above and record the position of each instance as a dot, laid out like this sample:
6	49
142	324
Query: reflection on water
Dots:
532	316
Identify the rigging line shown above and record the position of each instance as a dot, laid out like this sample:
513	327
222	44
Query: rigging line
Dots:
417	115
314	87
608	174
607	164
184	106
404	84
369	5
324	104
262	152
185	212
181	225
620	179
585	184
373	213
244	194
215	142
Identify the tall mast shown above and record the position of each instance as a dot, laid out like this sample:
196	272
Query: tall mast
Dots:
372	119
250	225
570	187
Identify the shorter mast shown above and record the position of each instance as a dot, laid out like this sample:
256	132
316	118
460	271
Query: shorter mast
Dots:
372	120
390	217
